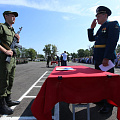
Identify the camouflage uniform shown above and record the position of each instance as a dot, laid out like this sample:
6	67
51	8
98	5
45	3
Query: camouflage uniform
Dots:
7	70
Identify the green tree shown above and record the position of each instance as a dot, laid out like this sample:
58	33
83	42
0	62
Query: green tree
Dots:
91	49
47	50
50	50
74	55
40	56
81	53
68	54
54	50
86	53
24	53
32	53
18	52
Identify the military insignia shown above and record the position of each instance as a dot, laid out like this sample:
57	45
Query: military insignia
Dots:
97	10
104	30
117	26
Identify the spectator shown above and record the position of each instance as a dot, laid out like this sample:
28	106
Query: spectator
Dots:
64	58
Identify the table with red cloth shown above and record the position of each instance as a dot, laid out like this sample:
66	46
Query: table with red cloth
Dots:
54	62
81	85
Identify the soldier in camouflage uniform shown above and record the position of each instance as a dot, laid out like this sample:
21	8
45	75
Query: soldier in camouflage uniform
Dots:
7	70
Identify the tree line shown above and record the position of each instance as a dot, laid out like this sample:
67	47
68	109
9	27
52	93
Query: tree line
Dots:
51	50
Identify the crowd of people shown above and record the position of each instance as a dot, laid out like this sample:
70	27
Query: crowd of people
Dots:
117	61
89	60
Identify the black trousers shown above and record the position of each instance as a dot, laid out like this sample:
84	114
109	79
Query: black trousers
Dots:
64	63
97	63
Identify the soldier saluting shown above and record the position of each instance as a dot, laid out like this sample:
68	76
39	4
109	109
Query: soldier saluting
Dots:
106	40
7	70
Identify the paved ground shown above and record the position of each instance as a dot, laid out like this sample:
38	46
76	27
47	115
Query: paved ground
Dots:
28	81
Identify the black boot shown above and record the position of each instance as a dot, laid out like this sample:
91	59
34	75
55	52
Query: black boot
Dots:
10	102
107	108
4	109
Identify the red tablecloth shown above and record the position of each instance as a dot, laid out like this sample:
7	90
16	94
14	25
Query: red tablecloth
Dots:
54	62
81	85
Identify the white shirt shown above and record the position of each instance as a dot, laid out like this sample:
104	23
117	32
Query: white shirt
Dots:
64	56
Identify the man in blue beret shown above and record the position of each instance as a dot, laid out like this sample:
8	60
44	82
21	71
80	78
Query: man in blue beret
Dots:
106	40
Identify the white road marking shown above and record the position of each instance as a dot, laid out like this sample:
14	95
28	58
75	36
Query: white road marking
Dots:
4	117
18	118
30	97
38	86
20	99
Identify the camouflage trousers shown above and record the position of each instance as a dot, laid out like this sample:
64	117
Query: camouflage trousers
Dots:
7	73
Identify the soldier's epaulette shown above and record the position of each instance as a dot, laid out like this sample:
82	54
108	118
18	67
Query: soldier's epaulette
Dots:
110	21
115	23
1	24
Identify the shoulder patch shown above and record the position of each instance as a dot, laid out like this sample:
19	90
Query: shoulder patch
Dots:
111	21
117	26
1	23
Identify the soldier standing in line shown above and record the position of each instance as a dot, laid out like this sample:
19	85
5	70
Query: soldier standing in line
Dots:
7	70
61	59
58	59
106	40
48	60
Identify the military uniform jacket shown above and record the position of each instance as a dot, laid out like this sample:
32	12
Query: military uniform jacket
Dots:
7	34
107	36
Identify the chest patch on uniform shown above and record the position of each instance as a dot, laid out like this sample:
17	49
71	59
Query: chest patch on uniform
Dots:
104	30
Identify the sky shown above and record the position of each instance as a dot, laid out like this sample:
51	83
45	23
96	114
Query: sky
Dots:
62	23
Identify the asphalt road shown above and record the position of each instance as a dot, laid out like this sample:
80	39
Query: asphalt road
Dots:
28	81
